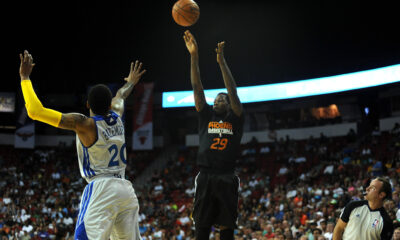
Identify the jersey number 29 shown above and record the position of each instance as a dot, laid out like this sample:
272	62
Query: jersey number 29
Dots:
219	143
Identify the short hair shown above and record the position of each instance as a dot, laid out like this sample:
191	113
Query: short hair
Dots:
386	187
225	94
99	99
317	229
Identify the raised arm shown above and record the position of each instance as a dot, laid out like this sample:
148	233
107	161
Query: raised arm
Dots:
198	90
133	78
229	81
71	121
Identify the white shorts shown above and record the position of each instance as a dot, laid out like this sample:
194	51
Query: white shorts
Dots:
109	208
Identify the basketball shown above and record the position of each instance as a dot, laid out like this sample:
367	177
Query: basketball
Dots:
185	12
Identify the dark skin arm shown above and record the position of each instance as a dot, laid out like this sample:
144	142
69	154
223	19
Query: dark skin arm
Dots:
79	123
117	104
198	90
76	122
229	81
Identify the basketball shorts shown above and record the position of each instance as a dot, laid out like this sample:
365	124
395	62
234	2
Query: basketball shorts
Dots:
109	209
216	200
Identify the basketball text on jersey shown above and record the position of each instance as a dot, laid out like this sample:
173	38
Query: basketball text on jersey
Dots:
113	131
220	128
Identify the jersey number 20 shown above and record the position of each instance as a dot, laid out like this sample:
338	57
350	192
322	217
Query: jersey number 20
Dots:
114	153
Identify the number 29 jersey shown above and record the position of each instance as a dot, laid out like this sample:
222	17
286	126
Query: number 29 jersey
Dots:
219	138
107	156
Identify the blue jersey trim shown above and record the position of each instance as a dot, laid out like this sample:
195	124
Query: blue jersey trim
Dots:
80	232
84	203
88	172
110	119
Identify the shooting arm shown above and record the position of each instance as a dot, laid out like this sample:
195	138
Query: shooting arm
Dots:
230	85
198	90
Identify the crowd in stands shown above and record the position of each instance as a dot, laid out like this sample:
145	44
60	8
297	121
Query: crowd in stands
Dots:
290	189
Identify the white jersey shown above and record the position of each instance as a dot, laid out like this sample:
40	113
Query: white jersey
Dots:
364	223
107	156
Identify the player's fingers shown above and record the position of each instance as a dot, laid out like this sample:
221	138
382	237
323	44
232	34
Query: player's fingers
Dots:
142	72
139	67
25	56
136	65
132	66
21	57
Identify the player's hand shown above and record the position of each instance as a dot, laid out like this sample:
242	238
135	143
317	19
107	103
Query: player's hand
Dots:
135	73
190	42
25	69
220	51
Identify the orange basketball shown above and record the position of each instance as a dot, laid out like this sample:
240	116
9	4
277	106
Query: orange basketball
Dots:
185	12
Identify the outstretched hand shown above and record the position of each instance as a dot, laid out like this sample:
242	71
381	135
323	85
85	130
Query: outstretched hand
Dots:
25	69
135	73
220	51
190	42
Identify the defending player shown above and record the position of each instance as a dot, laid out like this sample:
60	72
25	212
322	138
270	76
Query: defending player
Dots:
220	132
109	206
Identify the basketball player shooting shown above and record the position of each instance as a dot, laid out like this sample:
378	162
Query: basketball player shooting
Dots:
109	206
220	132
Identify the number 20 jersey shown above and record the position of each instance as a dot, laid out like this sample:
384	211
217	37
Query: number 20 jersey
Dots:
107	156
219	138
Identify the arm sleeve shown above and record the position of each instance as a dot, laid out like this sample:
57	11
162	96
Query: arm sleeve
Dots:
34	107
387	230
345	215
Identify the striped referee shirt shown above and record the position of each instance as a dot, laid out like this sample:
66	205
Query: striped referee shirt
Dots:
364	223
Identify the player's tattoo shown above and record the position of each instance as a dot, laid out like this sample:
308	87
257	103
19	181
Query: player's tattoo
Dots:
70	120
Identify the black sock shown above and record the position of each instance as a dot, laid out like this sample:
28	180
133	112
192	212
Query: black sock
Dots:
203	233
226	234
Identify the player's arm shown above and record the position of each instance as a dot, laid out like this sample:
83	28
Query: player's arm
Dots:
117	104
339	229
198	90
35	109
229	81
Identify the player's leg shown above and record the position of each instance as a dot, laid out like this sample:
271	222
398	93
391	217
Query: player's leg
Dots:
203	208
226	190
226	233
94	213
126	225
202	233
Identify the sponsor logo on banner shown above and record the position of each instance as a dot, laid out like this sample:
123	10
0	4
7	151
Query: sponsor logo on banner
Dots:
142	137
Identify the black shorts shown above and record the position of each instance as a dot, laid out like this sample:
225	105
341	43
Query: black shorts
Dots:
216	200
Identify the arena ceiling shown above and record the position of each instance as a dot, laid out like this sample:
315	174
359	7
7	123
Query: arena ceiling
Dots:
78	43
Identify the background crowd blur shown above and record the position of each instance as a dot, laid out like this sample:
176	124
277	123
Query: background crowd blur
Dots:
289	189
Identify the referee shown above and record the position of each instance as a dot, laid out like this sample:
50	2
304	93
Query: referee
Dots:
220	132
367	219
